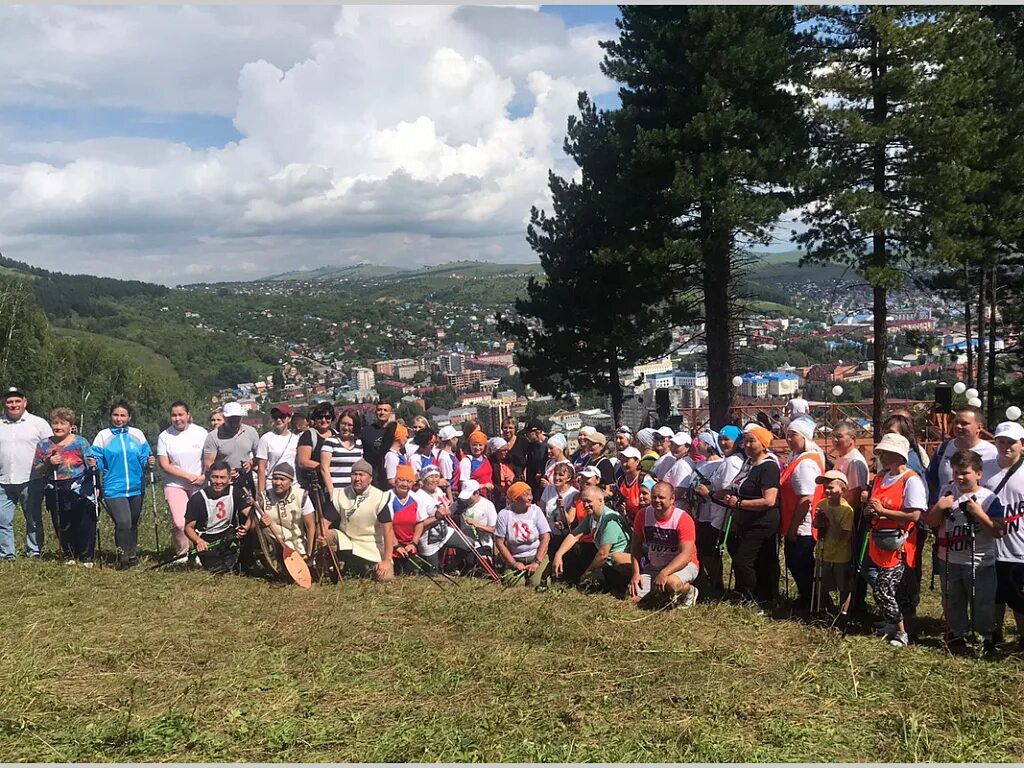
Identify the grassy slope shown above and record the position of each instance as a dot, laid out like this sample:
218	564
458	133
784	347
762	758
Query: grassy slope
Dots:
106	666
140	351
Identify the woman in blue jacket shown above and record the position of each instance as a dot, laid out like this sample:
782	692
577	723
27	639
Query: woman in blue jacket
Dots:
122	454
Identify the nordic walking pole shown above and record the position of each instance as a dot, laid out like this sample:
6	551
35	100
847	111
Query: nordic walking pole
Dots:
419	568
422	562
97	480
488	568
974	573
156	516
845	610
722	546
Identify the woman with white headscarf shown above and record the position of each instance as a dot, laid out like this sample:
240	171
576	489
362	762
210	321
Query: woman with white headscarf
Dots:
556	455
799	495
502	471
708	514
645	440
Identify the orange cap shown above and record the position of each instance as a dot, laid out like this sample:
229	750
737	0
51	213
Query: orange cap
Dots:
404	472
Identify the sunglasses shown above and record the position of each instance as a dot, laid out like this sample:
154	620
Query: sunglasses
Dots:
322	418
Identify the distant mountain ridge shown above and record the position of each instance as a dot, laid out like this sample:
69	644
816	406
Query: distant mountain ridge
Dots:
367	271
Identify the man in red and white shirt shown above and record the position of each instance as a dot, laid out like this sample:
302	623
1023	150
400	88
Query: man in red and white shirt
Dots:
670	537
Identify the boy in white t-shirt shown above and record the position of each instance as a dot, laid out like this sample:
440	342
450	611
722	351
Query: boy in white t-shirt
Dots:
971	520
480	517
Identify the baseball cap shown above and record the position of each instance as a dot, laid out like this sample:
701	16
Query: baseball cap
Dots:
598	437
624	430
664	431
468	489
448	433
534	425
14	392
894	443
681	438
284	410
233	409
832	474
630	453
590	472
1010	429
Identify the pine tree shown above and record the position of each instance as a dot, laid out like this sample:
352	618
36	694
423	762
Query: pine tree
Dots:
713	95
599	309
866	185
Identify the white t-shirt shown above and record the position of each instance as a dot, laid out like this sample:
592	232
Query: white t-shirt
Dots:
549	503
956	527
183	449
18	442
680	472
663	465
1010	548
521	533
798	407
855	467
707	510
482	513
392	460
437	535
804	482
984	449
277	449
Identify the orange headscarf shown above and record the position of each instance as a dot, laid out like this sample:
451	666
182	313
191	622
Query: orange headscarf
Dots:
401	434
478	438
516	491
764	437
405	472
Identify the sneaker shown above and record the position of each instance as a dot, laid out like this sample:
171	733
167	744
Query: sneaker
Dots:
87	565
691	597
899	640
179	561
70	562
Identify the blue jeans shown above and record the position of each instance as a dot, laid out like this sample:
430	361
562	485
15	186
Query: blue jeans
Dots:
30	496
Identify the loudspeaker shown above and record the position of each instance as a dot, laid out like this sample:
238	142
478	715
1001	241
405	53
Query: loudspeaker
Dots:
661	404
943	398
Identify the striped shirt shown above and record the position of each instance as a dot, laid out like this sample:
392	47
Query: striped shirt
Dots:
342	459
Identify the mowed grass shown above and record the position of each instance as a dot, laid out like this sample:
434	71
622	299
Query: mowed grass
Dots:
99	665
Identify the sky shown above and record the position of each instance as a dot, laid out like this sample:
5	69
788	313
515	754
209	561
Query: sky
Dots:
181	144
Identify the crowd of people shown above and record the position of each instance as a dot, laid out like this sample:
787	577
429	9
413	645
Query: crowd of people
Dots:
645	515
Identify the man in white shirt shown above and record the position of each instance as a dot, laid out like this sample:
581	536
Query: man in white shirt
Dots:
967	425
797	406
20	433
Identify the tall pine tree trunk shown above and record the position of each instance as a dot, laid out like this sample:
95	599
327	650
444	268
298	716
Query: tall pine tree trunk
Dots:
880	307
991	389
615	387
718	321
981	328
967	325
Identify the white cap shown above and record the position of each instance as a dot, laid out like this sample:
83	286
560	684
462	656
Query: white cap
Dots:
681	438
624	429
894	443
233	409
1010	429
448	433
590	471
664	431
468	489
630	453
584	431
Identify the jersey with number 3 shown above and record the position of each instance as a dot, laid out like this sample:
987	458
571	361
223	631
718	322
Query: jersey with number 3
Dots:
220	512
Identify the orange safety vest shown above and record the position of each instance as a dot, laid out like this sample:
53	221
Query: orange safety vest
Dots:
892	498
631	495
788	497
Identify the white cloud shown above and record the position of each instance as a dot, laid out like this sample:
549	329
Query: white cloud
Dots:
388	134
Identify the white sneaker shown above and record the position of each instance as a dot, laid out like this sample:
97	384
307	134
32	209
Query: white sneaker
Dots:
691	597
70	562
180	560
899	640
87	565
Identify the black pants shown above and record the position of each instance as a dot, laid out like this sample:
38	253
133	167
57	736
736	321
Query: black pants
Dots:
575	561
74	521
464	554
125	512
221	555
710	556
753	545
357	567
800	563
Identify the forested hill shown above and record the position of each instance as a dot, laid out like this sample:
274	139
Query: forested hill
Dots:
61	295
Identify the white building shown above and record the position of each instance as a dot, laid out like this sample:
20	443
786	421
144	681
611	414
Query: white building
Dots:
365	379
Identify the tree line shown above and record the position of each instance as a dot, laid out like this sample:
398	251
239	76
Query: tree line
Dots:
894	132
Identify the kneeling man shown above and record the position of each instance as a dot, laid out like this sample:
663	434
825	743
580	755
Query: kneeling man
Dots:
670	538
213	520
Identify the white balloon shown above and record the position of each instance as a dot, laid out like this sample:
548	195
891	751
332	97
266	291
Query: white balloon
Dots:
959	387
975	402
737	381
837	390
972	394
1013	413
